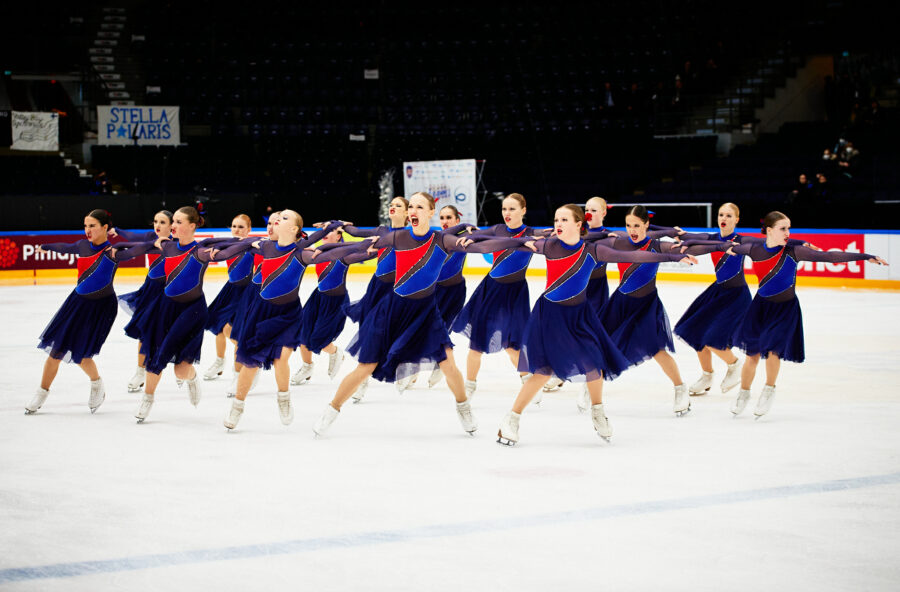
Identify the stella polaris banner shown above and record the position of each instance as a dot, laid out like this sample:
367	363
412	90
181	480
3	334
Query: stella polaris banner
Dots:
138	126
35	131
450	182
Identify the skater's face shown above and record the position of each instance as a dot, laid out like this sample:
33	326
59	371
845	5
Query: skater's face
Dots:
272	223
288	227
397	212
566	228
778	234
448	218
94	231
728	220
333	237
636	228
162	226
182	228
420	212
595	212
513	212
239	228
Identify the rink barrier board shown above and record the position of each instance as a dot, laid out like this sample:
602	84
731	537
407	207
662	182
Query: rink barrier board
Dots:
59	269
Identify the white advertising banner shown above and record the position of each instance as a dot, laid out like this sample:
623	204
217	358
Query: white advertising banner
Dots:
450	182
35	131
138	126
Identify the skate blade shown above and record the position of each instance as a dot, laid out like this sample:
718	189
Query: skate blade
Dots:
132	389
683	412
94	410
756	417
728	388
141	419
30	412
504	441
604	438
700	394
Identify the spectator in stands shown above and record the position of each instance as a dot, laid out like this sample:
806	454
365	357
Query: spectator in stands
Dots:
102	184
634	99
803	191
821	190
608	98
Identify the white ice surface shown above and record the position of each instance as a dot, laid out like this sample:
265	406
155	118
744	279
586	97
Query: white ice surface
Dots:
397	497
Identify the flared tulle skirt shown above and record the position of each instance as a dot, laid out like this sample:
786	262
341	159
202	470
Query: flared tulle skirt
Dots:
712	317
402	337
79	328
322	320
569	341
375	291
267	329
775	327
638	326
495	316
222	308
248	297
450	301
173	334
141	304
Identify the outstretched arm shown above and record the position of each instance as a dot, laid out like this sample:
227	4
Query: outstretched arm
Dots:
232	250
134	235
67	248
365	233
604	253
126	251
808	254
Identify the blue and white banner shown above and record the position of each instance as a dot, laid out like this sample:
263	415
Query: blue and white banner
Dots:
138	126
450	182
35	131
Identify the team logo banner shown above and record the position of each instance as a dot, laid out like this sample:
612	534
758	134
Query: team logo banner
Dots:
450	182
35	131
138	126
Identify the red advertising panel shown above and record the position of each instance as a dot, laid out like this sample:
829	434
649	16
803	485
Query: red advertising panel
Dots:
20	252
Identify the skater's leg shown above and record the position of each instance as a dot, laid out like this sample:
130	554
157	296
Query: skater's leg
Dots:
773	365
749	371
142	359
330	348
726	355
705	357
305	355
528	391
595	390
51	367
245	381
350	383
283	370
90	368
150	382
473	364
514	358
454	377
669	366
184	371
220	345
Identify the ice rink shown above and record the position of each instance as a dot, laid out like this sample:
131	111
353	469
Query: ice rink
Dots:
398	497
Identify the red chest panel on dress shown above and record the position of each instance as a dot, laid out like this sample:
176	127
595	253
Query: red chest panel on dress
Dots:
173	262
84	263
557	267
270	265
623	266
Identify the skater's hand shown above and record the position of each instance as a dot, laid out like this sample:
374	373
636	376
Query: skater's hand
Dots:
812	246
680	231
212	253
615	234
731	252
256	244
530	244
40	249
112	232
689	259
158	242
463	242
878	261
315	252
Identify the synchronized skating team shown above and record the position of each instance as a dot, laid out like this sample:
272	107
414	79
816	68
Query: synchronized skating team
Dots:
576	330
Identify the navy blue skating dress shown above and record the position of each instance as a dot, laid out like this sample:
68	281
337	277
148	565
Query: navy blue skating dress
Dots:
382	280
495	315
225	306
564	336
774	323
81	325
174	333
323	316
404	332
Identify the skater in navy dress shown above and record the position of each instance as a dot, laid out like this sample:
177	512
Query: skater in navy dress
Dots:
709	322
563	336
174	333
495	315
324	316
222	308
272	324
772	327
81	325
404	332
246	299
450	291
634	316
144	301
